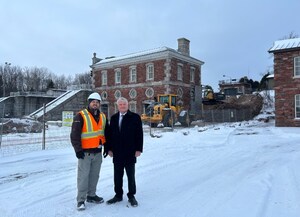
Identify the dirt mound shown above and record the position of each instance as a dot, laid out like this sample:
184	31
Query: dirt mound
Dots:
247	101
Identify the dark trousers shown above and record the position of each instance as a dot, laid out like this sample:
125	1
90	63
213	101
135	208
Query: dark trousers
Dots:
118	179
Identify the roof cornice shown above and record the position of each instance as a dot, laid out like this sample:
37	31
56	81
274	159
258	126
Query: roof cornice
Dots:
151	55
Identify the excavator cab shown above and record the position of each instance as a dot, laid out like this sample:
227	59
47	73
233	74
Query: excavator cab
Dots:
211	98
165	111
169	99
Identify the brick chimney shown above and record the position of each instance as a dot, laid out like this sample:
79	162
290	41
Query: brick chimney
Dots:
95	59
184	46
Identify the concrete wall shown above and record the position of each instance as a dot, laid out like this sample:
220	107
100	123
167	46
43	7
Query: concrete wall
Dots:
20	106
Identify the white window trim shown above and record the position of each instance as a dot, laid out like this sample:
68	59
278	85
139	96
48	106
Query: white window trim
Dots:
132	93
117	94
132	106
149	92
148	78
131	79
116	107
180	92
179	73
297	67
192	74
104	77
117	76
297	104
104	95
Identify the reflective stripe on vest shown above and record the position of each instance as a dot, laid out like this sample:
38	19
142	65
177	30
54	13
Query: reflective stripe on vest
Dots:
92	134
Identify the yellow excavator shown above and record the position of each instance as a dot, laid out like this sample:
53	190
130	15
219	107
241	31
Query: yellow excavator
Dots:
165	110
211	98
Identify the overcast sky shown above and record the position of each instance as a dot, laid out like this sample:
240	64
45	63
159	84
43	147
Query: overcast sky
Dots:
232	37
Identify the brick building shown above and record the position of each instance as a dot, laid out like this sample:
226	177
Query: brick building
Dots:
287	82
139	77
232	87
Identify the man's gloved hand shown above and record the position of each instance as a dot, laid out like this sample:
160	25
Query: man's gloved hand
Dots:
80	155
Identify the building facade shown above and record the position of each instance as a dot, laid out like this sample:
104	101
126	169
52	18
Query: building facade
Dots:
234	88
139	77
287	82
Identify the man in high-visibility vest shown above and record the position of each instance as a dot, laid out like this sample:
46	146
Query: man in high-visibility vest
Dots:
88	136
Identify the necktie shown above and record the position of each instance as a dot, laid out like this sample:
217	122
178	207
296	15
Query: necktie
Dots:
120	121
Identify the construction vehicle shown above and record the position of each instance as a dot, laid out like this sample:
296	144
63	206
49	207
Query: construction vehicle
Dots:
211	98
166	111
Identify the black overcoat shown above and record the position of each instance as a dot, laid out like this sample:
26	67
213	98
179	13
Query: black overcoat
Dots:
125	142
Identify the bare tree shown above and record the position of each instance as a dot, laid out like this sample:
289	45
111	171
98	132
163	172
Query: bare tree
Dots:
17	79
290	36
84	78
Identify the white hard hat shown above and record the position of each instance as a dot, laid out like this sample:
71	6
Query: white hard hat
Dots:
95	96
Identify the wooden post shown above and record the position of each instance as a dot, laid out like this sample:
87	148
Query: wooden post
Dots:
44	128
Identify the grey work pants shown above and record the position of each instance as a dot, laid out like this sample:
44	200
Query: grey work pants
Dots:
87	175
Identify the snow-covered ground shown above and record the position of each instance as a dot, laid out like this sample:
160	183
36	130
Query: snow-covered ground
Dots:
247	169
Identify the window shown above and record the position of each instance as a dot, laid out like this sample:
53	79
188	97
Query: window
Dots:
179	71
132	74
180	92
297	106
192	74
297	66
132	106
118	76
150	71
173	101
104	95
132	93
149	92
117	94
104	77
116	108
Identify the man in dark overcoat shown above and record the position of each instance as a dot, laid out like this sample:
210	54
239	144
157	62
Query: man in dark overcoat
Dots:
126	144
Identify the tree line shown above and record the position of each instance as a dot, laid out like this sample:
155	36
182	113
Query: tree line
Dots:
35	79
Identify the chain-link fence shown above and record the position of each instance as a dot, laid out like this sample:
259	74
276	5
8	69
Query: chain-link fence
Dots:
227	115
52	138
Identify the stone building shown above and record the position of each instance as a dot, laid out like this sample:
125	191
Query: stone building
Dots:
287	82
140	76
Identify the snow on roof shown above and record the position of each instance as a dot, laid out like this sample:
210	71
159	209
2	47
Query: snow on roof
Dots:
270	76
285	44
142	53
3	98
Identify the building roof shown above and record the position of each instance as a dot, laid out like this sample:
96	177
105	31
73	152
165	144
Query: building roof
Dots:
138	54
156	52
286	44
270	76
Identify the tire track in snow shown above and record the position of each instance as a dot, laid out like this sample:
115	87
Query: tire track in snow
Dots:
237	171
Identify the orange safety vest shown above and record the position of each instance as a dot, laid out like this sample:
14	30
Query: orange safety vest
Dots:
92	134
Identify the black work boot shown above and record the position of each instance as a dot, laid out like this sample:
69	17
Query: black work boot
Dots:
94	199
114	200
133	202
